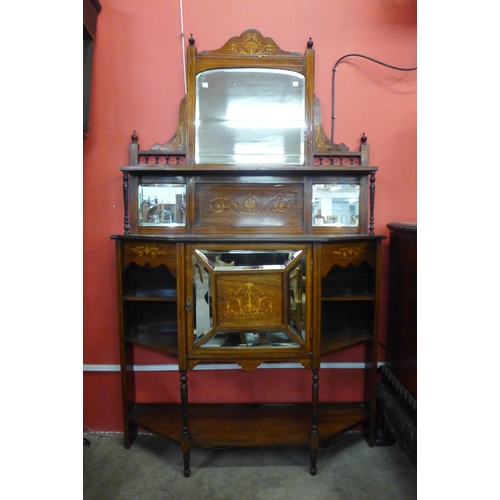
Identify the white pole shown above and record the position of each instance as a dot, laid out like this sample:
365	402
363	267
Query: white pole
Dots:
183	51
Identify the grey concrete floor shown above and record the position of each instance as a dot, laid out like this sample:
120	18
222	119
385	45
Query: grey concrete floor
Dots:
152	469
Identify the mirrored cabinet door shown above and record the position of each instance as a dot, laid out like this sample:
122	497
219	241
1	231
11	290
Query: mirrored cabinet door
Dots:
248	299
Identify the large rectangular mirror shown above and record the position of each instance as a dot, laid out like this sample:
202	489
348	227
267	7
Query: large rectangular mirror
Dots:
250	115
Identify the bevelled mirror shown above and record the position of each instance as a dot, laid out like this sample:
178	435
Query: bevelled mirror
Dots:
336	205
250	115
161	204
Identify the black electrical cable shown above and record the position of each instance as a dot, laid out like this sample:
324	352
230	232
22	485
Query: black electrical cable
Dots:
335	69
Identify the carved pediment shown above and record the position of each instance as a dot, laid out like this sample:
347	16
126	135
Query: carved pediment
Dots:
252	43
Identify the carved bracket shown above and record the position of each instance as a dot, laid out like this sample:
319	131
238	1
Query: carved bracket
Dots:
178	142
322	144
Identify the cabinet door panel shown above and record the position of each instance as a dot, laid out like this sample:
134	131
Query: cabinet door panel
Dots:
253	299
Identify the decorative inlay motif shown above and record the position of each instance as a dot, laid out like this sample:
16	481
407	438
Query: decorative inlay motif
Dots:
152	252
323	143
249	205
248	301
352	251
252	44
177	142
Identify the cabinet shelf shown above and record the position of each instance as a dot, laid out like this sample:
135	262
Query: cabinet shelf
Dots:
152	324
332	342
264	424
162	342
349	297
166	295
148	283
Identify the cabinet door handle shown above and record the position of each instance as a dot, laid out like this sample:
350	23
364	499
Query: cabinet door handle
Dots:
188	304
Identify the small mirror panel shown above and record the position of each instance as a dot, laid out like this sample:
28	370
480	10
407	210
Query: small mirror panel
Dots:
336	205
162	204
250	115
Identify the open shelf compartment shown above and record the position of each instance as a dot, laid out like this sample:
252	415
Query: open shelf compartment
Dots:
265	424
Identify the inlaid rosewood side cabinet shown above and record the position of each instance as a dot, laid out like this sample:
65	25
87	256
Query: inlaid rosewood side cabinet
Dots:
248	238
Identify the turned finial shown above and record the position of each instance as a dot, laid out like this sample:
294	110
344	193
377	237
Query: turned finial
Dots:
364	138
134	137
310	44
191	40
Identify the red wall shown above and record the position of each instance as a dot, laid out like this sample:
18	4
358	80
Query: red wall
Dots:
137	85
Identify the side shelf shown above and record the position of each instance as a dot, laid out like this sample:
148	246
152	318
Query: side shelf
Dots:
352	282
149	283
152	325
148	310
349	279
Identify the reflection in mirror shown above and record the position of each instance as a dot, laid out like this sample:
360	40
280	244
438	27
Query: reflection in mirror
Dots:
237	317
336	205
162	204
247	259
250	115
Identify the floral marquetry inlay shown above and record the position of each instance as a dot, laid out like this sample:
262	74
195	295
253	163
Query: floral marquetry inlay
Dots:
322	143
350	251
250	205
149	251
248	301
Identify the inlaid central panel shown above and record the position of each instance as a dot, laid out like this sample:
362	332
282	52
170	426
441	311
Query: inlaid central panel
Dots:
245	206
243	299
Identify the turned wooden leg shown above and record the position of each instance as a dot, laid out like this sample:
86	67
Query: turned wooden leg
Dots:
314	426
128	394
185	446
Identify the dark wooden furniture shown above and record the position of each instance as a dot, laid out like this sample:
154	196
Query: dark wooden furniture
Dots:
238	249
397	392
91	9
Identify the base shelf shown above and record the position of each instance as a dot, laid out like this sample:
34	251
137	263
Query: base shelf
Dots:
248	424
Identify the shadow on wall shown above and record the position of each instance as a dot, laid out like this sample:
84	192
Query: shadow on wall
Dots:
400	11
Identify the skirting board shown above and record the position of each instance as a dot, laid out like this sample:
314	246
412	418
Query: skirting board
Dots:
208	367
